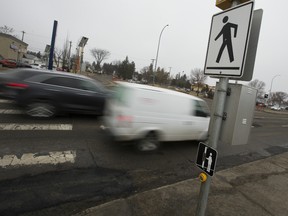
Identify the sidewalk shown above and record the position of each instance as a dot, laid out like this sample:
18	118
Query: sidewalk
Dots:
258	188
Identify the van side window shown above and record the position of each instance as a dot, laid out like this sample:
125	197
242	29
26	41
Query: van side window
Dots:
201	109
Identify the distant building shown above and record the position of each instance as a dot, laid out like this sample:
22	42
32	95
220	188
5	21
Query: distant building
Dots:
11	47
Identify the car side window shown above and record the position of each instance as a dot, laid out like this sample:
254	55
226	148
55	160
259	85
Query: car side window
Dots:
201	109
61	81
86	85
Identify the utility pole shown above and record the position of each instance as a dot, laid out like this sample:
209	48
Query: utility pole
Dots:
23	32
69	56
214	134
153	63
152	69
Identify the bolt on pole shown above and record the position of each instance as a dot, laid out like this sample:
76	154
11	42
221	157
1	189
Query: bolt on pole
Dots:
214	133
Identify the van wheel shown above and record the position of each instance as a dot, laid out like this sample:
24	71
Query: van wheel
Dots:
41	110
149	143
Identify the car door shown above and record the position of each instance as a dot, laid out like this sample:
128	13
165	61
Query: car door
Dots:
63	91
92	96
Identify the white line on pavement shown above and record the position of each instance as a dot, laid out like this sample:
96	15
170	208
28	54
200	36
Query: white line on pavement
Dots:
15	126
11	111
38	158
6	101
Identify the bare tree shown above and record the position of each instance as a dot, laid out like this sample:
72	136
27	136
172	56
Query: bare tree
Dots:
278	98
99	55
147	74
65	54
197	77
6	30
259	85
57	56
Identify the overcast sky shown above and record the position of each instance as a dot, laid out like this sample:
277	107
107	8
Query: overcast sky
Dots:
132	28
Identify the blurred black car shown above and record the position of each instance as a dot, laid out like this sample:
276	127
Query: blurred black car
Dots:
46	93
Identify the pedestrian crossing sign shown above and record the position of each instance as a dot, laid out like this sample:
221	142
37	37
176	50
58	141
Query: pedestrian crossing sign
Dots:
228	41
206	158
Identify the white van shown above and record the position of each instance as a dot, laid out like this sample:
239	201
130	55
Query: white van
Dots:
151	115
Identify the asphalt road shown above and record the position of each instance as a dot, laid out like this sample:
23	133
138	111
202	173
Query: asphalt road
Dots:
64	165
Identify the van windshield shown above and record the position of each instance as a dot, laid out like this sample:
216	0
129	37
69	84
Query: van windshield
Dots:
201	109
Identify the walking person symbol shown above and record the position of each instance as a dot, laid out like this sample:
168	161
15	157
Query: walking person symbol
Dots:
227	40
210	160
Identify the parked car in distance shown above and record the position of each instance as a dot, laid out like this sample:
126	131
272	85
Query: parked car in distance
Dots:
45	93
277	108
37	66
10	63
151	115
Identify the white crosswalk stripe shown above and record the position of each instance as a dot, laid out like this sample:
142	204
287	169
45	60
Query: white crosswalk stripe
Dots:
3	101
16	126
26	159
34	158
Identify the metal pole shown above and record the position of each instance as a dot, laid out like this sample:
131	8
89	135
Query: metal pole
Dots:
50	65
23	32
157	53
271	86
69	56
81	59
214	133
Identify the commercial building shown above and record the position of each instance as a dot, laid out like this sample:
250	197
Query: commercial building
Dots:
11	47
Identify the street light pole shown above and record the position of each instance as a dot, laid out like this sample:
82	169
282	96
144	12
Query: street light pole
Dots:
271	85
158	53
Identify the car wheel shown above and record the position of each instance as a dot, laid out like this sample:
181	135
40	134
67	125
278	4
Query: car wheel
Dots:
149	143
41	110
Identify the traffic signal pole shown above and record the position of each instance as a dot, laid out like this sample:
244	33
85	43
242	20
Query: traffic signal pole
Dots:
214	133
51	55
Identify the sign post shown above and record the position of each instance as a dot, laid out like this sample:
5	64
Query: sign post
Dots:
217	113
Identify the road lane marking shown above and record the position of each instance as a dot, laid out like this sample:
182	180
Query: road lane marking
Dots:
15	126
6	101
38	158
285	126
11	111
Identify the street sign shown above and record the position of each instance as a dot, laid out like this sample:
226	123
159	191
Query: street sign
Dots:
206	158
224	4
228	41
